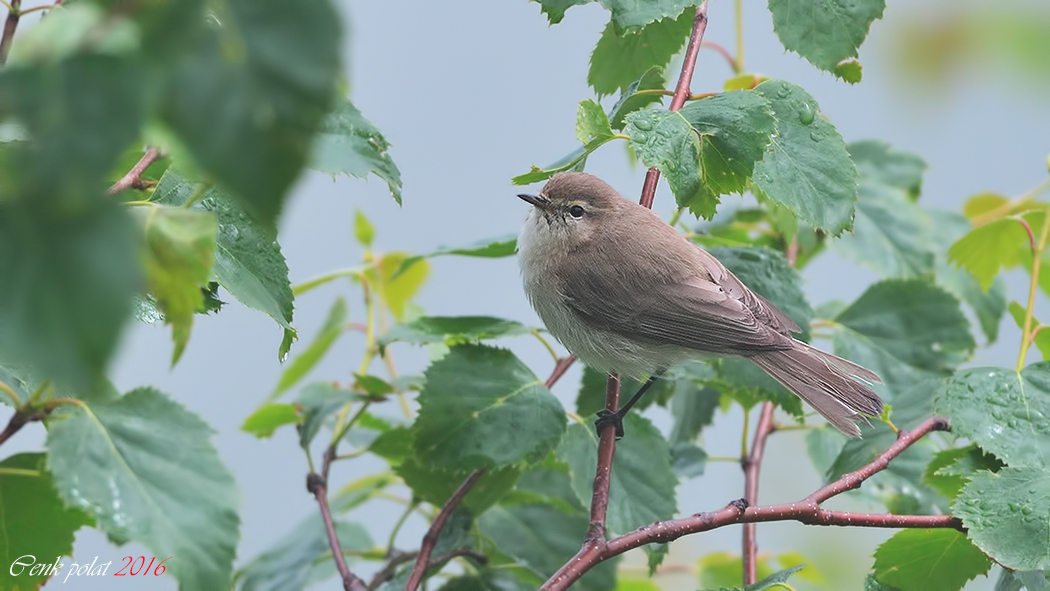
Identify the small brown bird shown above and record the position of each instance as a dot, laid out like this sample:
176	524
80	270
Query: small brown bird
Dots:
628	294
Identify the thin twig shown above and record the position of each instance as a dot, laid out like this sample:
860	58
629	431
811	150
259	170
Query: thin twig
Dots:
317	484
9	29
681	92
806	511
559	370
432	535
603	473
721	51
393	561
751	466
133	179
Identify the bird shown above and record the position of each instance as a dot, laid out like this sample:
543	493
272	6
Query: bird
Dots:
629	295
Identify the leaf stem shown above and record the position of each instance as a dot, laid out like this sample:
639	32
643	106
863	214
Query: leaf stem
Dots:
738	63
20	472
15	402
1037	257
397	528
546	345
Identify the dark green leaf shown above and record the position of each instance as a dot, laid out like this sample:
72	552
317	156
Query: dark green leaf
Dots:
490	580
318	402
575	160
806	166
636	96
1032	580
286	564
775	579
735	128
904	330
873	584
145	469
1007	515
248	260
69	278
591	122
621	57
688	460
555	9
929	560
825	32
435	486
179	253
880	163
249	114
629	14
666	140
452	330
475	406
333	326
542	538
951	469
373	386
768	273
347	143
1002	411
746	383
643	485
823	445
268	417
693	408
988	306
35	525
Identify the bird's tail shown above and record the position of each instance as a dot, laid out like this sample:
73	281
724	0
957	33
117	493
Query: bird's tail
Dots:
827	383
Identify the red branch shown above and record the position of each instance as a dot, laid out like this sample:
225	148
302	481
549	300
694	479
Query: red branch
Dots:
317	484
133	179
431	538
751	466
559	370
9	29
681	93
806	511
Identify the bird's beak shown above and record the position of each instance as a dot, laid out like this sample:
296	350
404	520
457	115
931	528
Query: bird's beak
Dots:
538	201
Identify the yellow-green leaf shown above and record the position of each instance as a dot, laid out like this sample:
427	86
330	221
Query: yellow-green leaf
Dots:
985	250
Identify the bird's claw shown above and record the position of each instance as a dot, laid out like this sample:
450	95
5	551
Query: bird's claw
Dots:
606	418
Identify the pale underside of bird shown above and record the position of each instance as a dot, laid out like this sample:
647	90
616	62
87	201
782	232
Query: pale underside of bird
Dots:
628	294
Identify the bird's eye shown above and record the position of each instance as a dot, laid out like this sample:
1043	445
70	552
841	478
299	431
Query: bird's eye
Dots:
576	211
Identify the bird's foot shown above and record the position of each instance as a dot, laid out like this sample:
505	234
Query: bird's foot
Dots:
606	418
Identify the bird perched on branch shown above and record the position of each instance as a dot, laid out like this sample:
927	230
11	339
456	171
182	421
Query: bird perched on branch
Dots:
629	295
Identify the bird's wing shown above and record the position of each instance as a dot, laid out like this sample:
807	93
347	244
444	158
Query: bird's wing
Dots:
695	312
763	310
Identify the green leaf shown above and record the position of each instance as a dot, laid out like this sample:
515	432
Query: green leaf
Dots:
823	445
1033	580
250	96
890	233
179	253
904	330
850	71
452	330
248	260
69	278
776	579
363	229
735	128
768	273
951	469
688	460
287	564
435	485
666	140
825	32
591	122
347	143
475	405
929	560
541	539
983	251
693	409
873	584
267	418
35	525
636	96
1007	515
642	489
397	283
628	14
1042	337
1002	411
144	468
621	57
555	9
806	166
318	402
745	382
333	326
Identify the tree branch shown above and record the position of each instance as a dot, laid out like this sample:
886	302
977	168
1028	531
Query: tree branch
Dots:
317	484
133	180
9	29
681	92
559	370
806	511
432	535
752	464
